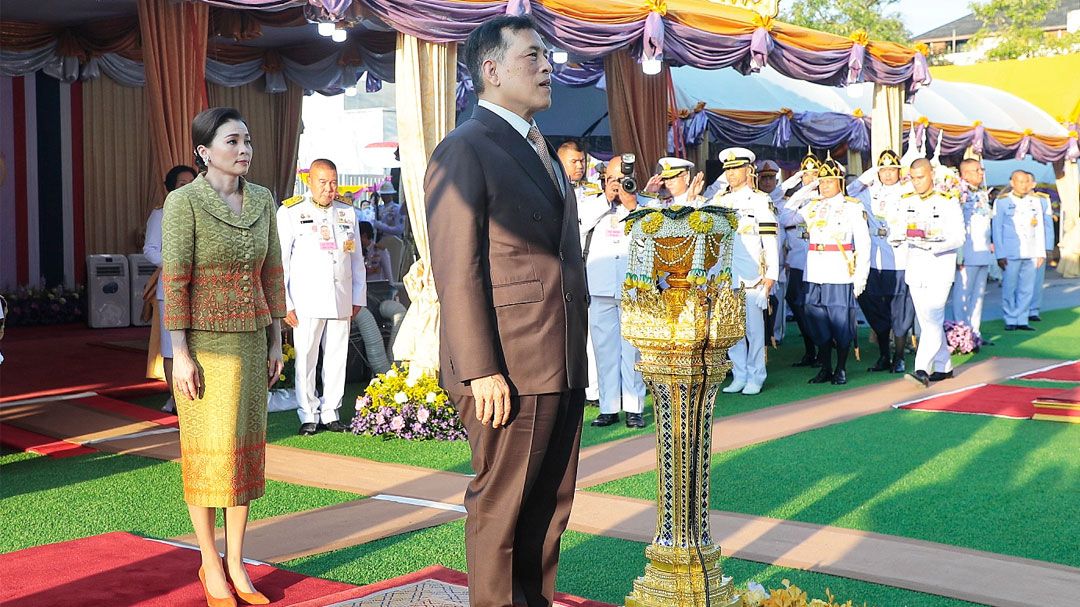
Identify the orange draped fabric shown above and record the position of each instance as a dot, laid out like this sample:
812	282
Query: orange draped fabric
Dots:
114	35
750	116
174	48
1005	137
637	110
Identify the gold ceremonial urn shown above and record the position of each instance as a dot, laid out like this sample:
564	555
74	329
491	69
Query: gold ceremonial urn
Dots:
679	310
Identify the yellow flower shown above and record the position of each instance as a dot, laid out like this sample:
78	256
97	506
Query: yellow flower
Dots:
702	223
652	222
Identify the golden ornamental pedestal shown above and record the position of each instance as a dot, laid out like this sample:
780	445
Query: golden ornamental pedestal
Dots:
679	310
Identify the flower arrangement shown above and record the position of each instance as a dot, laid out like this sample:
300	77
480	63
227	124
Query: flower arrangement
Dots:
961	338
45	306
287	379
788	596
397	406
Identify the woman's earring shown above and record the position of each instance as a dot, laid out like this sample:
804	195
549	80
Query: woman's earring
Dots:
206	160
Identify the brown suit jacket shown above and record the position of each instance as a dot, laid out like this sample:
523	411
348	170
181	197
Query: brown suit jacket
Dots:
506	258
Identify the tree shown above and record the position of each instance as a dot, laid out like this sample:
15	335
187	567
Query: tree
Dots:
845	17
1015	27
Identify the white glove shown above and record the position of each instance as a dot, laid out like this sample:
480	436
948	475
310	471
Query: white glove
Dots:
859	288
792	181
868	176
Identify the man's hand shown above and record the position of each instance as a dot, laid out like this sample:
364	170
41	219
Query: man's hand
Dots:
290	318
1039	262
859	288
356	310
653	185
959	267
767	285
492	396
1002	263
696	185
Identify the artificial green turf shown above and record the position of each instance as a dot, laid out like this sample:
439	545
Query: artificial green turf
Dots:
979	482
45	500
593	567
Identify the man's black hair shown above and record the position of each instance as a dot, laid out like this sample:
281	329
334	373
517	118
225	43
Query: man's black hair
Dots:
488	42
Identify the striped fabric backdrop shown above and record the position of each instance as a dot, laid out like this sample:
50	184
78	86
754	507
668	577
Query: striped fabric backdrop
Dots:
42	240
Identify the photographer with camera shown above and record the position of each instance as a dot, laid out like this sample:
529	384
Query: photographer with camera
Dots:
605	247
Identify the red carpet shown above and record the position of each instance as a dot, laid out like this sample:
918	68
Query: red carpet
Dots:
60	359
1064	372
123	569
25	440
1000	401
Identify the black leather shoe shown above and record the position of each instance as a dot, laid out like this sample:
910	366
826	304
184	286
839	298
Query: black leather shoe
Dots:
840	377
938	375
919	377
1025	328
605	419
309	429
635	420
898	366
808	360
1035	318
823	376
335	426
1010	327
882	364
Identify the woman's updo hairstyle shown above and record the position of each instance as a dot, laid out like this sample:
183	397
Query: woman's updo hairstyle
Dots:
206	125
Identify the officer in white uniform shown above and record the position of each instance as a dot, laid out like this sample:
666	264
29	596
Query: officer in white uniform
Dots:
389	219
766	179
931	226
606	247
837	264
1020	246
755	266
325	286
1048	230
886	302
978	253
674	175
802	187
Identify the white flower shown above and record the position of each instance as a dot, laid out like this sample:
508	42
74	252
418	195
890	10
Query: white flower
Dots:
391	373
431	397
401	398
411	382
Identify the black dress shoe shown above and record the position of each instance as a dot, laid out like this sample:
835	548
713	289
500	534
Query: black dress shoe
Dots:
605	419
335	426
309	429
939	375
1035	318
823	376
840	377
919	377
898	366
1025	328
1010	327
635	420
882	364
808	360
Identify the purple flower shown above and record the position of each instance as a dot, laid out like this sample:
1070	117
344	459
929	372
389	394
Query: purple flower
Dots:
397	423
422	415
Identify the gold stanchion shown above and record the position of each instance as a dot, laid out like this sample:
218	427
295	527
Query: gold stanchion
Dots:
683	330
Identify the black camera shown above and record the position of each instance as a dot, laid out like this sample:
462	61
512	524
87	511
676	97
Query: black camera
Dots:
626	167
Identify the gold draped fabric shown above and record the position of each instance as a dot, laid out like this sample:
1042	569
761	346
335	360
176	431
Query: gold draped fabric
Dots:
120	184
174	57
425	81
274	122
637	110
1068	184
886	120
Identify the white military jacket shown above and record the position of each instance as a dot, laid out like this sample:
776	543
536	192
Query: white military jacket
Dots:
609	247
756	242
839	243
322	258
1019	227
975	204
932	229
882	201
796	236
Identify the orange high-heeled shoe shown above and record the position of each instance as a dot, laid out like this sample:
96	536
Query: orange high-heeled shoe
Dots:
213	601
253	598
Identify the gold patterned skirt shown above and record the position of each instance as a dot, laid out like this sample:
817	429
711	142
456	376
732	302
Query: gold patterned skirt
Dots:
223	433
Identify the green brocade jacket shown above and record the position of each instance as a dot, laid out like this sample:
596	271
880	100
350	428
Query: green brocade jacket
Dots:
221	271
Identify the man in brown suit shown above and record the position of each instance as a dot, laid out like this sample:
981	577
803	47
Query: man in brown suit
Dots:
507	264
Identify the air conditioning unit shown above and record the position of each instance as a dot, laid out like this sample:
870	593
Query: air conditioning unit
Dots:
140	270
108	288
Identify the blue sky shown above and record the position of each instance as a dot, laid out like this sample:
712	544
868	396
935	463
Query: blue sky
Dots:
923	15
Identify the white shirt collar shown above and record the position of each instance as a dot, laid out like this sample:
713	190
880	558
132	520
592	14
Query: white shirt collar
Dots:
517	122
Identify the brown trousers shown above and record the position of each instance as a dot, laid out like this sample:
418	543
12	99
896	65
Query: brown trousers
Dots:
519	502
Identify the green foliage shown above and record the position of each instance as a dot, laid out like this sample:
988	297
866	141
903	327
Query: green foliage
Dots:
1015	26
845	17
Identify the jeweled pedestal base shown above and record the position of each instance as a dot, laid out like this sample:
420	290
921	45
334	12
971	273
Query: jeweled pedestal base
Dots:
674	578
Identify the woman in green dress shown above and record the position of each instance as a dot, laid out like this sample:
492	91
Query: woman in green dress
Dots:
224	298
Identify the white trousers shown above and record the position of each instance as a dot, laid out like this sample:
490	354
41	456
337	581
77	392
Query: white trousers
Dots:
1036	297
967	296
621	385
1017	290
933	352
333	335
592	391
748	355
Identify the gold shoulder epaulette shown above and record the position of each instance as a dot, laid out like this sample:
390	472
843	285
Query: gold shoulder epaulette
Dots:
343	198
908	194
648	194
292	201
592	189
852	199
1041	194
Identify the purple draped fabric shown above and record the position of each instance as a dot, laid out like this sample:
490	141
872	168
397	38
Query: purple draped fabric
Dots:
334	8
435	20
818	129
372	83
992	149
694	127
518	7
977	139
760	45
652	37
587	73
855	61
1073	149
1023	148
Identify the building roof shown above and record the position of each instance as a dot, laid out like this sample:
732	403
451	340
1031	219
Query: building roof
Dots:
966	26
